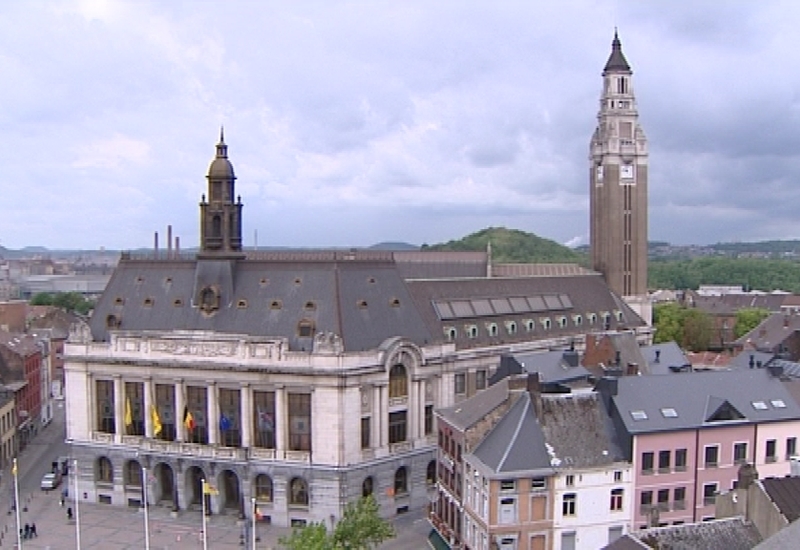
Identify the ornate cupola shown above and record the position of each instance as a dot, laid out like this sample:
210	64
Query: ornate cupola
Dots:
220	216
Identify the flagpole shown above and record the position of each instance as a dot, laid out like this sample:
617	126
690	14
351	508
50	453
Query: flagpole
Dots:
146	518
77	509
16	502
253	519
203	491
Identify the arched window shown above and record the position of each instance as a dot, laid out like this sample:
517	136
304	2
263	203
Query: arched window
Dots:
492	329
104	470
401	481
511	327
263	488
298	492
430	475
398	382
529	325
367	487
216	226
133	474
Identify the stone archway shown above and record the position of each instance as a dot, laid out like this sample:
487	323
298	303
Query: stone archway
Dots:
194	486
230	495
164	486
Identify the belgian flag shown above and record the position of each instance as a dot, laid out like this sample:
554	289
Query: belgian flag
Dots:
188	419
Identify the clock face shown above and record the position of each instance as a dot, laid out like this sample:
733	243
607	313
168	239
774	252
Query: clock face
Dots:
626	171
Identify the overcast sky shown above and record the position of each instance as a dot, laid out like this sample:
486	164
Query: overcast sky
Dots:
352	123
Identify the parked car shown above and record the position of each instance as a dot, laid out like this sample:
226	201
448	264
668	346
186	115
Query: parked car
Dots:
50	481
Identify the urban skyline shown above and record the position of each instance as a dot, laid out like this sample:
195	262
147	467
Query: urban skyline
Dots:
423	125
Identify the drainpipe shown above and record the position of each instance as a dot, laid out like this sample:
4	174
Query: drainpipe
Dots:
696	468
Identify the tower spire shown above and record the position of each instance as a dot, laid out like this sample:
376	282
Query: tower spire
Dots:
616	61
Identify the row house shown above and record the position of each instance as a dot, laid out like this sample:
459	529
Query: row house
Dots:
21	360
687	435
531	471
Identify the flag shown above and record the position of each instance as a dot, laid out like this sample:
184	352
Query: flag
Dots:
128	413
209	489
156	420
265	423
225	423
14	468
259	515
188	419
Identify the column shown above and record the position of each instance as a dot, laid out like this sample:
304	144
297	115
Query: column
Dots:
420	408
91	404
180	429
246	413
378	417
212	414
281	421
148	402
119	409
413	412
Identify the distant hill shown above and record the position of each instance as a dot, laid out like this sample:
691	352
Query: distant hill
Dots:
394	246
513	246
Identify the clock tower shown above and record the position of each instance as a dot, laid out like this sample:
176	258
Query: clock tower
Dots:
618	187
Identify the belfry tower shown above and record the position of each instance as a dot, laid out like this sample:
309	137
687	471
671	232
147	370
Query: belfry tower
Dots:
221	217
618	193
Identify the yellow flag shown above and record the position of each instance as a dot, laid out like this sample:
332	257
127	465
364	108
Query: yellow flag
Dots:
156	420
209	489
128	413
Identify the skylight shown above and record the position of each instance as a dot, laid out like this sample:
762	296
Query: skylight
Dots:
669	412
778	403
760	405
639	415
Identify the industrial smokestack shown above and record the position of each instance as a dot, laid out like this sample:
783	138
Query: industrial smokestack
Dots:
169	241
177	246
155	245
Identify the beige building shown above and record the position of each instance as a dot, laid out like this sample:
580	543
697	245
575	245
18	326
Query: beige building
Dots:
8	428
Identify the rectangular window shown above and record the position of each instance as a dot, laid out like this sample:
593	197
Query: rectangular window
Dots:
428	419
647	462
480	379
791	447
461	383
538	483
772	455
739	453
680	460
104	396
679	498
299	421
663	461
645	501
229	402
397	427
366	426
197	406
508	485
264	419
711	455
663	500
568	504
134	408
616	500
165	407
617	475
508	510
709	494
570	480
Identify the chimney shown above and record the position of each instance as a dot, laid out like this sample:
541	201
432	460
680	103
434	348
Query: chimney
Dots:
658	356
747	475
169	241
608	385
617	358
571	358
776	371
177	246
752	361
155	244
633	369
535	394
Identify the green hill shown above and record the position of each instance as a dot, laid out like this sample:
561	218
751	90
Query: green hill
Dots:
513	246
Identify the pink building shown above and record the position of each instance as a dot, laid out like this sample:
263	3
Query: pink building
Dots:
688	433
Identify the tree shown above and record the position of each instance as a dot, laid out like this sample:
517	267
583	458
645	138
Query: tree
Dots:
361	528
42	299
747	319
668	321
68	301
698	328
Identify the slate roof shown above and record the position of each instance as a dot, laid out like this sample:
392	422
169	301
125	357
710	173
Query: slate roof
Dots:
791	369
516	443
23	345
466	413
579	431
742	360
616	61
722	534
785	494
696	396
435	265
552	366
783	539
539	270
364	302
629	351
670	356
771	332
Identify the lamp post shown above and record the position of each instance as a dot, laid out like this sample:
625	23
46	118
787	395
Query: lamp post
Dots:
146	518
77	507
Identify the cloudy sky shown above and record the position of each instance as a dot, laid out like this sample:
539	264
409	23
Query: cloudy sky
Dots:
352	123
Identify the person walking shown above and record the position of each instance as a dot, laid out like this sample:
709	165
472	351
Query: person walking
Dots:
33	530
69	513
26	533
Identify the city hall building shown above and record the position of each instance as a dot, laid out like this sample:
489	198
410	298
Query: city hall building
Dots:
305	379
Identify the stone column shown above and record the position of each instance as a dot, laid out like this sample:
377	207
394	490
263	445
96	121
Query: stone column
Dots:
91	404
119	409
180	429
148	403
413	412
246	414
378	418
281	421
212	414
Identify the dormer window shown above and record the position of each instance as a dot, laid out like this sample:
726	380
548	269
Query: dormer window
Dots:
310	306
263	282
491	328
209	299
545	322
168	280
148	302
276	304
562	322
578	320
450	333
511	327
241	304
592	318
362	304
529	325
177	302
472	331
394	302
112	321
305	328
618	315
119	301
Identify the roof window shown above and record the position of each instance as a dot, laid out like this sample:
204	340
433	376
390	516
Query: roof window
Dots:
639	415
241	304
119	300
177	302
394	302
310	305
275	304
148	302
669	412
362	304
778	403
760	405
